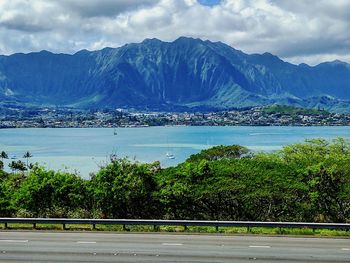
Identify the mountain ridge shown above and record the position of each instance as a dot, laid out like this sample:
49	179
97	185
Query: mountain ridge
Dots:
183	74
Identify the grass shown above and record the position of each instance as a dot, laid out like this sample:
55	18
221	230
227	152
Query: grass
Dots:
182	229
291	110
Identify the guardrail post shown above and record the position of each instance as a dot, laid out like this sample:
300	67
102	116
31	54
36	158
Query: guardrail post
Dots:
34	225
185	228
248	229
217	228
64	226
5	225
156	228
93	226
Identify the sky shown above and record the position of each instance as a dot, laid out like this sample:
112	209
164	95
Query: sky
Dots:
298	31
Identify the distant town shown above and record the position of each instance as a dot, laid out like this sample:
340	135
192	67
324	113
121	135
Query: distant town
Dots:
259	116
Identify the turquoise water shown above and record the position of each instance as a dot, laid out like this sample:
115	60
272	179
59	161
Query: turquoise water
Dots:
85	150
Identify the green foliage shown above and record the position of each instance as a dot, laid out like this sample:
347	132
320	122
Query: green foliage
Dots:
27	155
219	152
3	155
325	167
125	190
50	194
291	110
8	185
309	181
17	166
303	182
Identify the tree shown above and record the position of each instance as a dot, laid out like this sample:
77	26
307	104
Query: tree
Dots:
325	170
8	185
17	165
3	155
125	190
220	152
51	194
27	155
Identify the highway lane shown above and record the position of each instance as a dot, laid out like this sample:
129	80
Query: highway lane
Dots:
154	247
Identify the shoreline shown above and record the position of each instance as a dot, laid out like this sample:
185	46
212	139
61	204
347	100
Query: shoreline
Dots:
180	125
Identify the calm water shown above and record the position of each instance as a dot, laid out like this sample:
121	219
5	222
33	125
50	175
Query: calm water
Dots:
84	150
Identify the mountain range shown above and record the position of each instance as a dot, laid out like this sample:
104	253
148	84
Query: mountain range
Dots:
181	75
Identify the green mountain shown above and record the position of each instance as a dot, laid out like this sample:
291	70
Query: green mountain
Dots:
187	73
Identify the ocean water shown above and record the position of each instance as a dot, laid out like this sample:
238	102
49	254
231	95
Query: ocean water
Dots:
85	150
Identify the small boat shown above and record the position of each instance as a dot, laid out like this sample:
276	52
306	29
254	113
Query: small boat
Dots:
14	157
115	131
170	156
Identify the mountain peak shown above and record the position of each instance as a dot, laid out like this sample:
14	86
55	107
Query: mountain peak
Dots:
151	40
304	65
270	56
42	53
183	39
338	62
82	52
334	63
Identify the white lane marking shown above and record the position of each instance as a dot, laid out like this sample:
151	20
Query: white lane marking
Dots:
13	241
346	249
86	242
260	246
172	244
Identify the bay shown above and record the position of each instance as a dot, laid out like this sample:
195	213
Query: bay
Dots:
86	150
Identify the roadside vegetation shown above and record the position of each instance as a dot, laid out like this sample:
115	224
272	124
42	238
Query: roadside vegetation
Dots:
307	182
182	229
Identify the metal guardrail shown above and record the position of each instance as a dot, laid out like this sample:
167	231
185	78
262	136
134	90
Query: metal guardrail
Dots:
185	223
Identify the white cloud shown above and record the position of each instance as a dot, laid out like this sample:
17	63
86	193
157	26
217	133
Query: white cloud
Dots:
108	8
299	31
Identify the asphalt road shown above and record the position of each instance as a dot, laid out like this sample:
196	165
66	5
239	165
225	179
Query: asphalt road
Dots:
111	247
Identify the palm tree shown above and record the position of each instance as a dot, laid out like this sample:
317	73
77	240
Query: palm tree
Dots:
3	155
13	166
27	155
17	165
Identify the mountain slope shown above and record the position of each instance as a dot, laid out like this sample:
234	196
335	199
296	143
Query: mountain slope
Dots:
177	75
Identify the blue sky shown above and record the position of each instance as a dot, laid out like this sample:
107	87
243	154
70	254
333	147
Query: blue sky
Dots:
209	2
297	31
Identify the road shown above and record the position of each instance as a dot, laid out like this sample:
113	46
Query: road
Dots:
153	247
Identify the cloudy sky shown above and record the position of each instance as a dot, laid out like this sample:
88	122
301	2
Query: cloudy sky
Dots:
296	30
